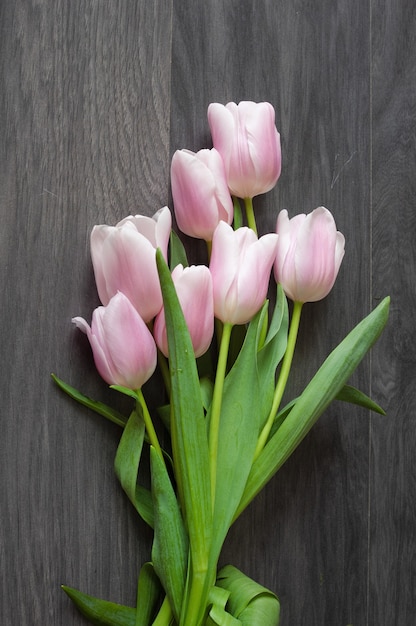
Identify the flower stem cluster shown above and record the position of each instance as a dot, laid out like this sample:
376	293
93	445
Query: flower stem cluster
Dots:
227	431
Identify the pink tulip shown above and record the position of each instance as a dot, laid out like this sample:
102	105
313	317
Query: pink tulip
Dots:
200	192
124	259
194	288
309	254
240	267
123	347
246	137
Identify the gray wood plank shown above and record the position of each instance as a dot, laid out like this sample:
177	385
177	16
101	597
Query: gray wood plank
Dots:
306	536
393	439
85	140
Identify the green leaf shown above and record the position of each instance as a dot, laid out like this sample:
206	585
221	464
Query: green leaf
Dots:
177	252
238	432
188	427
144	504
271	353
322	389
355	396
98	407
218	616
251	603
101	612
148	595
347	394
127	463
125	391
170	545
207	388
164	414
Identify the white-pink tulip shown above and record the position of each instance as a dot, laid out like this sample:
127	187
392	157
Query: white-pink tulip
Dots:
309	254
124	259
246	137
194	289
240	267
123	347
200	192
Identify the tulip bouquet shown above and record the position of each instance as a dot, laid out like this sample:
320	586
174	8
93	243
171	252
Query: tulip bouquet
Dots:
225	355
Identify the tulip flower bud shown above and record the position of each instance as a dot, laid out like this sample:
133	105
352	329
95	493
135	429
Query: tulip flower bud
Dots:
194	289
200	192
246	137
123	347
124	259
309	254
240	267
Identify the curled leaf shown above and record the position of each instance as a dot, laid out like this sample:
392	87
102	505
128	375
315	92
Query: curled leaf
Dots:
250	603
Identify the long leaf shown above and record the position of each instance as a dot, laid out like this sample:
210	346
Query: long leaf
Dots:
322	389
170	544
238	432
188	427
98	407
248	392
101	612
127	463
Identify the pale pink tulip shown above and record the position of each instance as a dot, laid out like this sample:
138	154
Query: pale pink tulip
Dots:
240	267
194	289
309	254
246	137
123	347
124	259
200	192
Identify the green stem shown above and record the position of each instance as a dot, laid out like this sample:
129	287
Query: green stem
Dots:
216	406
165	615
149	424
197	600
283	376
251	220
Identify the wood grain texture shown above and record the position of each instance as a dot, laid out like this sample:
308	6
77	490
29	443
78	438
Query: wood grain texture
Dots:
393	444
96	96
85	133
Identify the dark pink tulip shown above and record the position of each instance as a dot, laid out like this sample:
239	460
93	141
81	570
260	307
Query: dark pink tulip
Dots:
124	259
200	192
240	267
194	288
246	137
309	254
123	347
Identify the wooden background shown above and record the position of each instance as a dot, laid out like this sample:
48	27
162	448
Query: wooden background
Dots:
95	97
